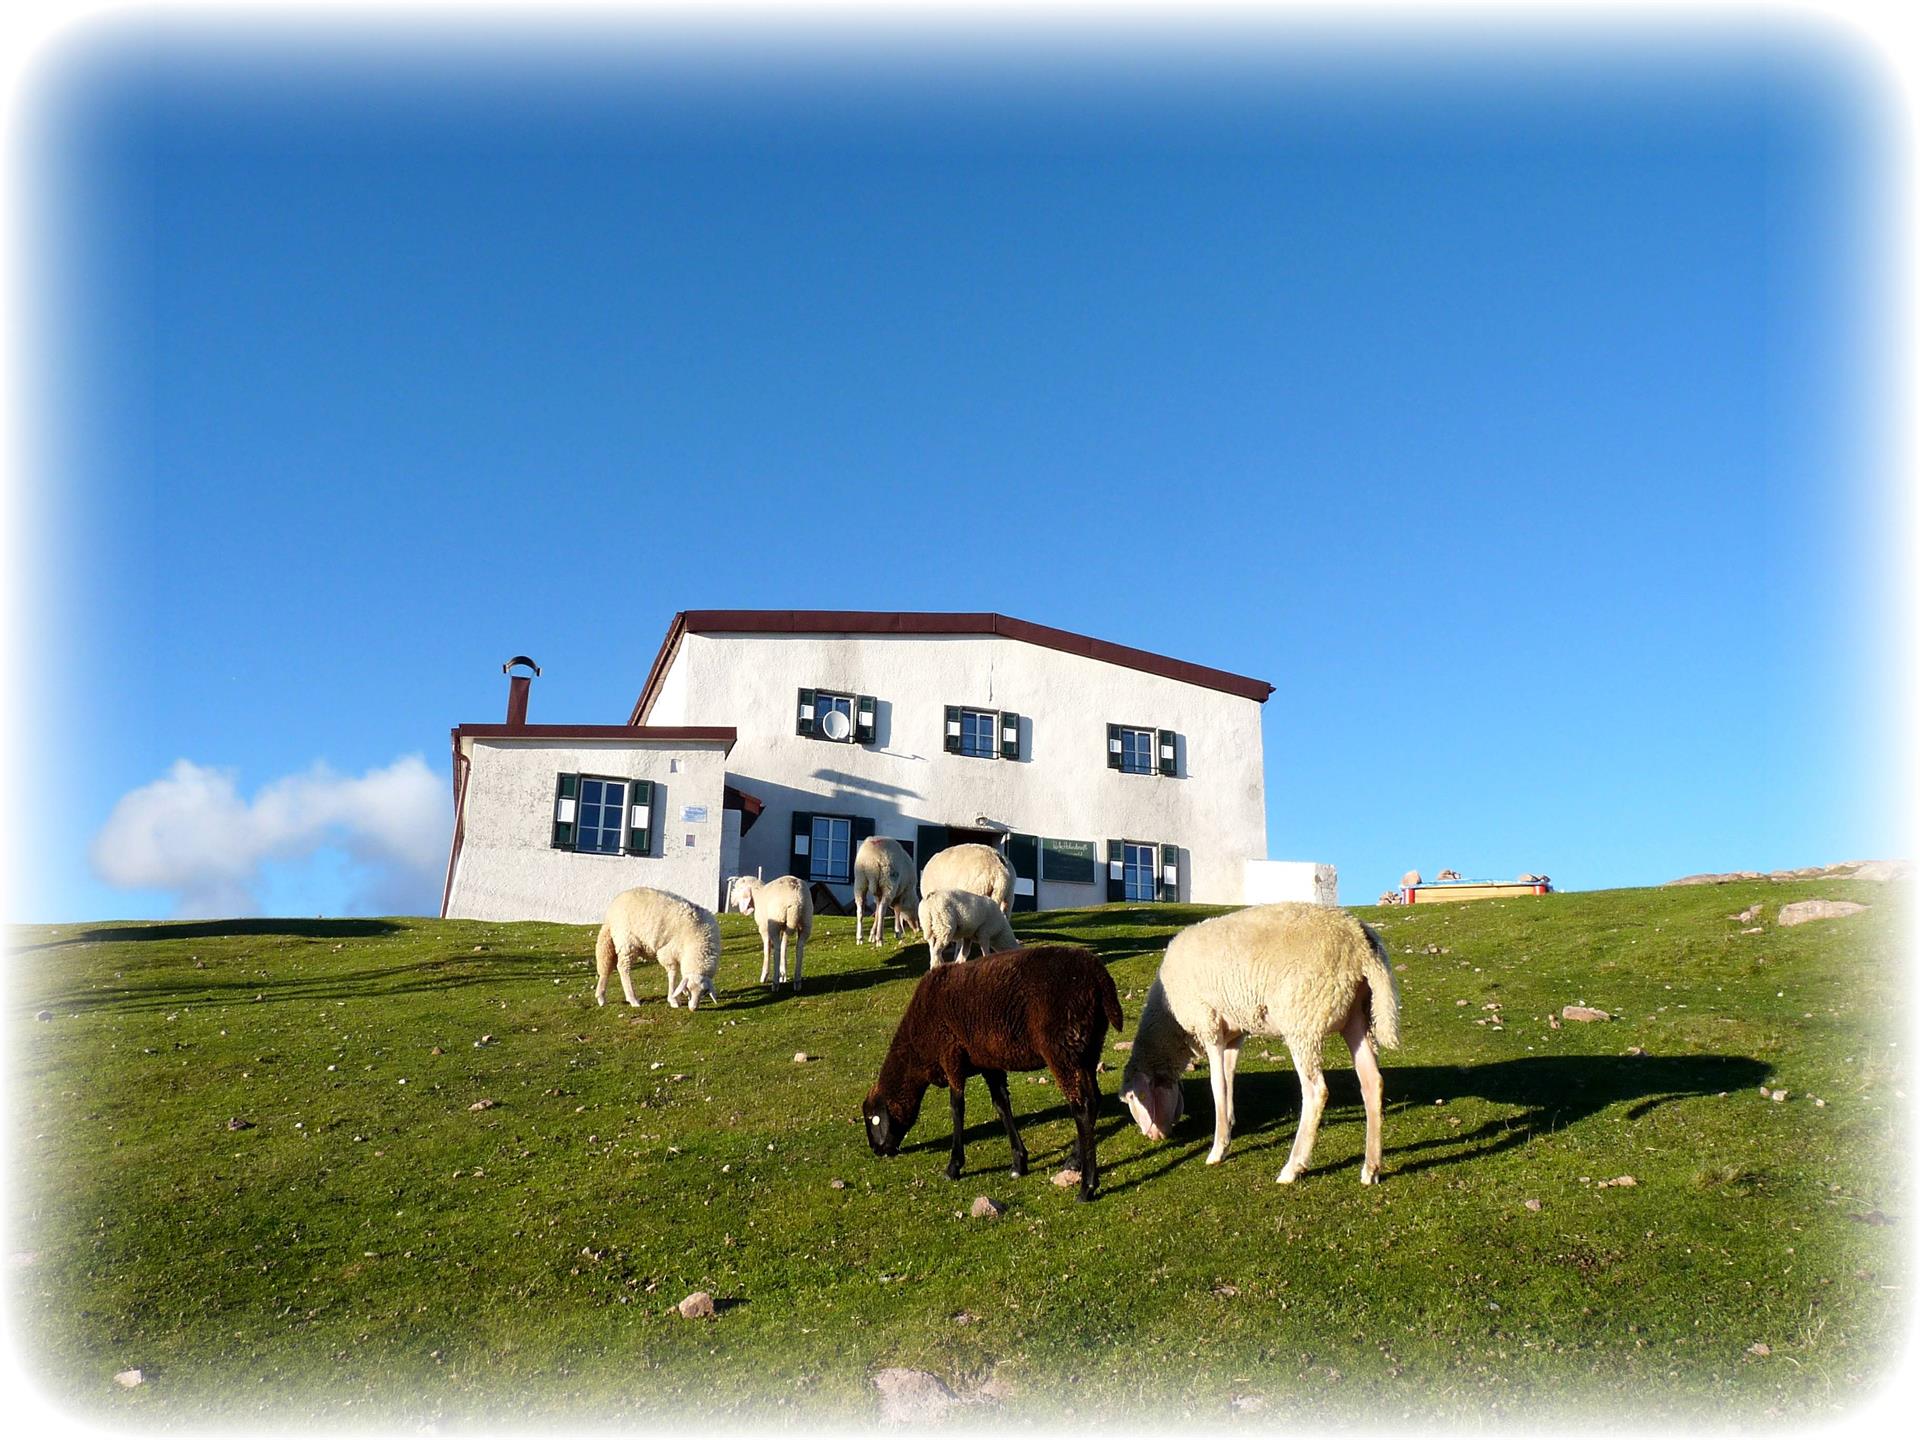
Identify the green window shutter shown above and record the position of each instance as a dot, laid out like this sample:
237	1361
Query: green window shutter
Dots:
1169	872
1166	746
799	861
565	791
863	708
929	841
803	714
1113	747
1023	853
1009	735
951	737
862	830
1116	867
640	826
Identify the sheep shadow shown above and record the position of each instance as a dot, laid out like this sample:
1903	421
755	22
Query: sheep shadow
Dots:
908	962
1548	1093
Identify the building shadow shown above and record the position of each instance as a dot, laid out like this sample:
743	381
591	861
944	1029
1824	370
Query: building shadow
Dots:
216	929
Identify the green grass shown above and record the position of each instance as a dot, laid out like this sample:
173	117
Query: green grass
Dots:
376	1251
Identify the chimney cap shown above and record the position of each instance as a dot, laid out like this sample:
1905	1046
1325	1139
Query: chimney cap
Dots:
520	660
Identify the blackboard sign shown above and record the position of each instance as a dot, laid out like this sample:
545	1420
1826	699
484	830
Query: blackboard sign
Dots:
1069	862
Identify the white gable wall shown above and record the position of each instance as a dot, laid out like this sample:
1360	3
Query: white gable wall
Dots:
1060	787
507	867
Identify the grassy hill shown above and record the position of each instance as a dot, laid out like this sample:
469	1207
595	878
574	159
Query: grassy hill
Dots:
375	1249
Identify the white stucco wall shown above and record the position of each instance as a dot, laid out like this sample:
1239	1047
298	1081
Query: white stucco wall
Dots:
1269	881
1060	788
507	868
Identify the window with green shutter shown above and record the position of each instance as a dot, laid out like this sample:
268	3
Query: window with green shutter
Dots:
640	826
951	739
1170	872
1116	870
565	791
1009	735
1167	746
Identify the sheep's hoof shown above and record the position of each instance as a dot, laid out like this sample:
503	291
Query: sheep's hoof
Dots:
1369	1176
599	999
1019	1168
1216	1155
953	1172
1286	1176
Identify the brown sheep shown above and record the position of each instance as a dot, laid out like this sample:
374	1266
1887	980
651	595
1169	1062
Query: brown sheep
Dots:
1047	1006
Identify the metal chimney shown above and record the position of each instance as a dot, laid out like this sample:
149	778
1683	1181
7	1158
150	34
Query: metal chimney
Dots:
517	687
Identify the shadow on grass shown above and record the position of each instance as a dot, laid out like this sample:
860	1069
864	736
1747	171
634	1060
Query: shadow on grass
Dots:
443	973
908	962
213	929
1548	1093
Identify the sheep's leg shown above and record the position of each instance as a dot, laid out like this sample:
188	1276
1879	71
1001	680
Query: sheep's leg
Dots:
674	982
859	914
603	967
957	1091
799	958
997	1088
1086	1108
626	978
1313	1100
766	954
1222	1059
1366	1067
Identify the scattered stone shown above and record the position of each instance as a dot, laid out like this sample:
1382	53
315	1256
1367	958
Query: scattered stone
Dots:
1746	916
1622	1180
1247	1404
127	1379
697	1306
483	1105
436	1050
483	1040
1778	1096
1635	1050
907	1396
476	949
1532	1204
1066	1178
800	1057
1755	930
1123	1044
236	1123
1582	1012
1802	911
985	1208
837	1184
1818	1103
44	1015
1760	1348
1226	1291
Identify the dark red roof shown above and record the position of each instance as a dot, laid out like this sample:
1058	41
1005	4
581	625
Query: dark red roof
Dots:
897	622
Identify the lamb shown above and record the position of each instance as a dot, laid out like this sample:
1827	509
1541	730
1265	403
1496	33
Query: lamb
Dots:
1045	1006
953	919
979	868
1302	972
883	873
781	905
654	925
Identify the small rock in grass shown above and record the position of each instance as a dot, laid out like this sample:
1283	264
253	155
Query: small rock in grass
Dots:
1760	1348
1123	1044
1532	1204
1066	1178
1778	1096
1624	1180
800	1057
1819	1104
127	1379
1635	1050
436	1050
1746	916
1583	1012
986	1208
910	1395
697	1306
483	1105
44	1015
1801	911
837	1184
236	1123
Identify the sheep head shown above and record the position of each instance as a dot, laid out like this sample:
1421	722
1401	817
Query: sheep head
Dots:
885	1128
740	894
1155	1102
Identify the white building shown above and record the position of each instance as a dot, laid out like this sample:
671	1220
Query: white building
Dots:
775	741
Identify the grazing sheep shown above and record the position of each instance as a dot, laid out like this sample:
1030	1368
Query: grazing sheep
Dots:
1302	972
979	868
781	905
883	873
653	925
1048	1006
953	919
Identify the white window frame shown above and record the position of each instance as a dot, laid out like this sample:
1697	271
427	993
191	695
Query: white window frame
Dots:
814	848
1132	868
991	719
580	802
1147	748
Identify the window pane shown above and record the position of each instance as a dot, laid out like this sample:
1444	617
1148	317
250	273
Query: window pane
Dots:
976	733
1138	872
1136	752
831	842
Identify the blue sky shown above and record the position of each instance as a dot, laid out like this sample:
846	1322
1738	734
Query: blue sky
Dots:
1505	414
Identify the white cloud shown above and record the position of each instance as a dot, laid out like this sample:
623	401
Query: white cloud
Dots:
193	834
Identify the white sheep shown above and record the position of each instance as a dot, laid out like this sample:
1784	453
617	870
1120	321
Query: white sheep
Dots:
953	919
654	925
883	873
781	905
979	868
1302	972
